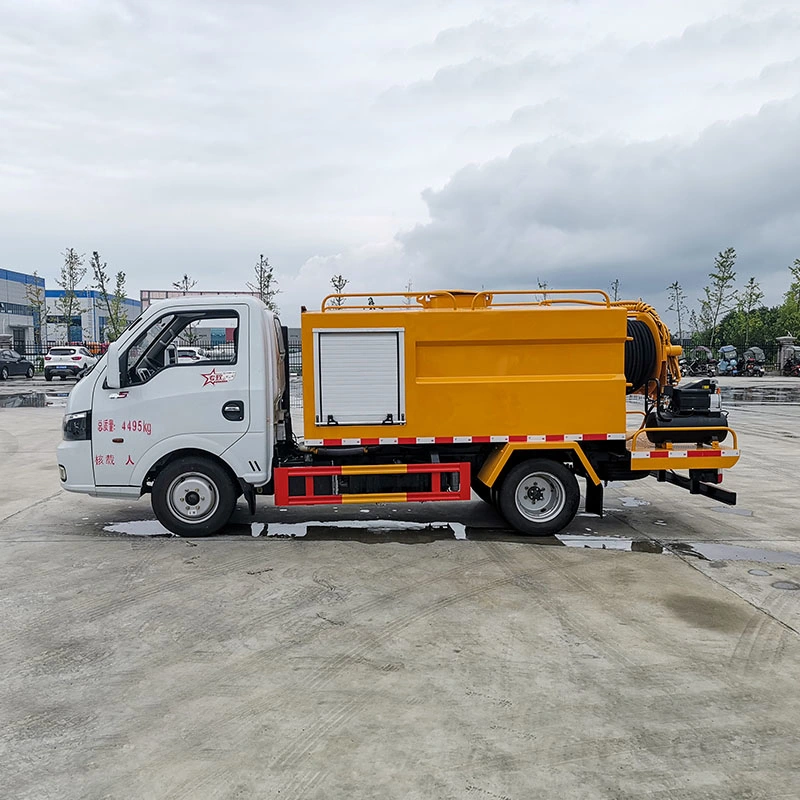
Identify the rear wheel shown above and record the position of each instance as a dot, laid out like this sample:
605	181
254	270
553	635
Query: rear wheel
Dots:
48	377
539	497
29	373
193	496
3	373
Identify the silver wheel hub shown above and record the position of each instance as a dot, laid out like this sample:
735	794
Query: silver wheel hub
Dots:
540	497
192	497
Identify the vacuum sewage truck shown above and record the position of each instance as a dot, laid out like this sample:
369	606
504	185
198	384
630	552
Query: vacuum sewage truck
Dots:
406	398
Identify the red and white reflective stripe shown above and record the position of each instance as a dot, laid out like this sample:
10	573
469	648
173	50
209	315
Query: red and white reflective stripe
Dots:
524	439
686	454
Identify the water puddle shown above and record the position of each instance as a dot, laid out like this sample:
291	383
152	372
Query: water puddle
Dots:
760	395
369	531
22	399
714	551
402	532
141	527
609	543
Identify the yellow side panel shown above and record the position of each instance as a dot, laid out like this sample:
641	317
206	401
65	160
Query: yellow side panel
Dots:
492	372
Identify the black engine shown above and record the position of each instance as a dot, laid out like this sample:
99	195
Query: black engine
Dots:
695	406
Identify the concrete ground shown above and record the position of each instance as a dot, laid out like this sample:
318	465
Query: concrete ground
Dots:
376	660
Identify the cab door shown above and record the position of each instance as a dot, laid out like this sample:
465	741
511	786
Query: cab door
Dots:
167	405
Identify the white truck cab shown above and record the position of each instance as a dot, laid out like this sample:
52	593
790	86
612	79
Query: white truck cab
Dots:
195	435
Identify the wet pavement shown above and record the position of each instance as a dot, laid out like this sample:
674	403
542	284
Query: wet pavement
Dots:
399	651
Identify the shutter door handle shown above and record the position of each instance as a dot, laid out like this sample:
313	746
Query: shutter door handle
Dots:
233	410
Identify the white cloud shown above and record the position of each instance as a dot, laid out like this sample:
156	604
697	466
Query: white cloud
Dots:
431	141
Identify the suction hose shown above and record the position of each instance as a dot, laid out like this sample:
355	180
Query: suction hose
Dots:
650	353
640	355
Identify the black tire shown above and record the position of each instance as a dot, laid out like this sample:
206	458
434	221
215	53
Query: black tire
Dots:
4	374
48	377
539	497
29	373
205	508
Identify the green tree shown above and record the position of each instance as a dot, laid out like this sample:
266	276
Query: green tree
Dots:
409	288
73	272
695	327
749	300
35	297
789	314
719	296
677	304
185	284
112	301
338	282
265	284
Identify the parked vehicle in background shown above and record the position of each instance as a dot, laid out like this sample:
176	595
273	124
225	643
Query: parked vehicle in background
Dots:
699	363
191	355
13	364
791	368
752	363
95	348
728	363
69	361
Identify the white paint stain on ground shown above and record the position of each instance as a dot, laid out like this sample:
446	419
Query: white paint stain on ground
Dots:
633	502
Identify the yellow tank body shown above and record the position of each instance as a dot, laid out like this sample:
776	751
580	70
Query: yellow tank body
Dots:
469	365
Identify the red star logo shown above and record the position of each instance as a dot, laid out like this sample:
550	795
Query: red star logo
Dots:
211	377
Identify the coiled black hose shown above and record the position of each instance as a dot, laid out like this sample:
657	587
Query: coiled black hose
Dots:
640	355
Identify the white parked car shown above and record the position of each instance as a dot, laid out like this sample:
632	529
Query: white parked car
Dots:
68	361
191	355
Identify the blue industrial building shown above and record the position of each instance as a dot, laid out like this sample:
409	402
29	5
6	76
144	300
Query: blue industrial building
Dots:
18	321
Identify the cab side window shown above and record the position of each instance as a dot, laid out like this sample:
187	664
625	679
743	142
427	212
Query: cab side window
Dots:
190	338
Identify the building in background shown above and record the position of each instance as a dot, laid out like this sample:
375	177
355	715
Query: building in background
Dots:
17	319
90	325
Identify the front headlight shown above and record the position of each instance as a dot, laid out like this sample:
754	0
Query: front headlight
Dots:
78	427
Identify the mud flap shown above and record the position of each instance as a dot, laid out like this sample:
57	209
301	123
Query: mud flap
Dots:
250	495
594	498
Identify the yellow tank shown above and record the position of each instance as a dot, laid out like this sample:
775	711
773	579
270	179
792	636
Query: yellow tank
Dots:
469	366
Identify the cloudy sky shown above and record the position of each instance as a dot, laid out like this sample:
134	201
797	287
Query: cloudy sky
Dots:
453	144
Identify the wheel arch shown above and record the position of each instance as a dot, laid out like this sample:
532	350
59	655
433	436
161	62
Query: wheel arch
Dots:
184	452
507	456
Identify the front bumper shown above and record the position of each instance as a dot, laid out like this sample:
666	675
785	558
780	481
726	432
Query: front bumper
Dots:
75	466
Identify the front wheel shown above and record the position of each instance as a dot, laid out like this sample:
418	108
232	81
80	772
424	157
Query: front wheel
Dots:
193	496
4	374
29	373
539	497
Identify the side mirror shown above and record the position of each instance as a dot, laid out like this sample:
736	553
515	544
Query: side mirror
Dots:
170	355
113	377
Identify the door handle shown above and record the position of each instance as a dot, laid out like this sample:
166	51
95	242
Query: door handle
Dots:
233	410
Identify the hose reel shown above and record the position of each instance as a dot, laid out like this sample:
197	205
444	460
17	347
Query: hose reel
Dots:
640	355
